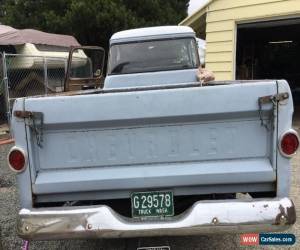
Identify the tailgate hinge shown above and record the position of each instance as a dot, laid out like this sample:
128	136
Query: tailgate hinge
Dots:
274	99
35	121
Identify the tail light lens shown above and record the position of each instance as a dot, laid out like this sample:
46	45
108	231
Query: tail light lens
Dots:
289	143
16	159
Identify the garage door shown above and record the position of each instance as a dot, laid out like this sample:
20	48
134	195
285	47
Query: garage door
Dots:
270	50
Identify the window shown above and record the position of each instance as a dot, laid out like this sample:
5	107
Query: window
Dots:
149	56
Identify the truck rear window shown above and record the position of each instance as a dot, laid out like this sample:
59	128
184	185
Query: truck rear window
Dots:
149	56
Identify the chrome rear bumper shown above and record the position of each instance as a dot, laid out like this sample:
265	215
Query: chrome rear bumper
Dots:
232	216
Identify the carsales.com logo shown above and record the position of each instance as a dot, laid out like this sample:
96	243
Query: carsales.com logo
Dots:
253	239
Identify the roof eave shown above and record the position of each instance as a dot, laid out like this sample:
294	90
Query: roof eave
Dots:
190	20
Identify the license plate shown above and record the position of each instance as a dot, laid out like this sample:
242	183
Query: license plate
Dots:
152	204
154	248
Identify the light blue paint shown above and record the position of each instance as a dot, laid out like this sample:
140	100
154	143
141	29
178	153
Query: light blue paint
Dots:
190	140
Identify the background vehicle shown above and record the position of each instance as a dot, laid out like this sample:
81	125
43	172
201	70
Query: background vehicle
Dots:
33	63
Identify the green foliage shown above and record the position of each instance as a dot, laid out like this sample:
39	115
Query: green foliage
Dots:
92	22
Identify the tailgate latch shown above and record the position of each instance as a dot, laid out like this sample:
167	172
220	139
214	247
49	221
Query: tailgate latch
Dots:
274	99
35	121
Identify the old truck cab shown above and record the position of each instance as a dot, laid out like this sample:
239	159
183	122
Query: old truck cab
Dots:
154	152
152	56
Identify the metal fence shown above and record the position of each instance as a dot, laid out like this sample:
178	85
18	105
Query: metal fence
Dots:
25	75
3	106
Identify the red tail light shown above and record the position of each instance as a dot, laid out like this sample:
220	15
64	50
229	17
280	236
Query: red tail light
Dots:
16	159
289	143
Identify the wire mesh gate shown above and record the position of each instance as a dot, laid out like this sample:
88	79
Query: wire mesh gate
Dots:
26	75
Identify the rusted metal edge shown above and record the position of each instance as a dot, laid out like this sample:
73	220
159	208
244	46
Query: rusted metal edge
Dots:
273	98
23	114
121	90
6	141
147	88
69	79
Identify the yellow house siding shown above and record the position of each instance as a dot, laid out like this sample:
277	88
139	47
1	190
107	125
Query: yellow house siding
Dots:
231	4
220	66
218	57
220	36
226	76
219	46
221	20
263	10
220	26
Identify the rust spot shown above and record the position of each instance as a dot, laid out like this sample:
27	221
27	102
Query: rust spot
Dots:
290	215
215	221
23	114
279	216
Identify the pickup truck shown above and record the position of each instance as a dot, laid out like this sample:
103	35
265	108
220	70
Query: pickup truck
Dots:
154	151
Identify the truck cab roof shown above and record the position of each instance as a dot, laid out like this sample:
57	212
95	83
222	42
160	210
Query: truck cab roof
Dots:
151	33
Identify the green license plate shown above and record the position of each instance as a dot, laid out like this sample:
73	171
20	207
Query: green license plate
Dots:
152	204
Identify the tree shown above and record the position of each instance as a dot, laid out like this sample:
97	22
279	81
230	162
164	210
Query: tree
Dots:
92	22
157	12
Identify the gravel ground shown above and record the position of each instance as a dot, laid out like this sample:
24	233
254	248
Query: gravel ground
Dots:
9	208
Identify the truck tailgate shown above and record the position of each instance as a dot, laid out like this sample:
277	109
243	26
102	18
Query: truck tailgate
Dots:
164	138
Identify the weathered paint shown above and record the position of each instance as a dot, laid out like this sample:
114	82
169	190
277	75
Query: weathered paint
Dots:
125	143
222	17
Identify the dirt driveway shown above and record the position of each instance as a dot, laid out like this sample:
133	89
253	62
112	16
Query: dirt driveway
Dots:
9	208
